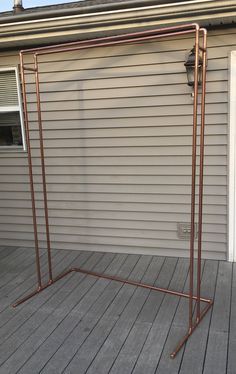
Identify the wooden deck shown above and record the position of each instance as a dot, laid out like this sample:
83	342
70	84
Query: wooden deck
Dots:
87	325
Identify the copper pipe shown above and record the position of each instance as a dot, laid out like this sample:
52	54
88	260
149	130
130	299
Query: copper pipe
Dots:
112	278
29	296
30	168
189	333
193	188
137	284
116	40
40	289
107	44
121	37
43	167
62	275
201	168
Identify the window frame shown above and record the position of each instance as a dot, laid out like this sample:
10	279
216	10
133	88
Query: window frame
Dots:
15	108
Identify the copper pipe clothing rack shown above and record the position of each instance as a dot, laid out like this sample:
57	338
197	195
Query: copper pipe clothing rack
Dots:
200	36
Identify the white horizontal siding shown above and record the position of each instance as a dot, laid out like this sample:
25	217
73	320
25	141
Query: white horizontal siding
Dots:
117	128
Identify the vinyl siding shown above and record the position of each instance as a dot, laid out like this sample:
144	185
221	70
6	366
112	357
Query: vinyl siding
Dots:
117	127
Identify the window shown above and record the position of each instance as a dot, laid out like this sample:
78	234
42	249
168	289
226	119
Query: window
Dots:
11	116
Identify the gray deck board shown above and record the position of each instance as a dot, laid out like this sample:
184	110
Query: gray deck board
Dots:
84	328
12	317
83	324
6	251
153	347
114	342
49	303
193	354
26	319
22	282
14	263
115	312
231	364
217	347
75	308
135	349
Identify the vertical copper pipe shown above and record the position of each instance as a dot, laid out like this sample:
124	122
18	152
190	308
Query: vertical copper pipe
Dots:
193	188
30	168
201	167
43	167
194	326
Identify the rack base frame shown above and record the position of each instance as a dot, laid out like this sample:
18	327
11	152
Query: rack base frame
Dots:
151	35
209	302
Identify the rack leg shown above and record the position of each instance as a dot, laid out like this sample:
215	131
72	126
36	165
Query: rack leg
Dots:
41	288
194	326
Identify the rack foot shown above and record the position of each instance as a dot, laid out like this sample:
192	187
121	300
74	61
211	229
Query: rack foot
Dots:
190	332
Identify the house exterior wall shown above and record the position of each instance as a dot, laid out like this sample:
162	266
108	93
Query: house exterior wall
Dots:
117	127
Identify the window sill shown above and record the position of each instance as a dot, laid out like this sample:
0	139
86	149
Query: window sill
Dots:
12	148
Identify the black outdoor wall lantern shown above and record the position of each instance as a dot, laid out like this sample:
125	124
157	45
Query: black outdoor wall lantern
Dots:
189	65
